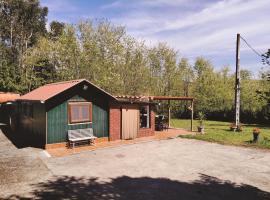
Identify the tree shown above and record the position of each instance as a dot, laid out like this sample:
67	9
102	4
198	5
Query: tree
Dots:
42	63
163	69
102	53
56	29
21	23
205	89
266	57
186	75
8	73
224	91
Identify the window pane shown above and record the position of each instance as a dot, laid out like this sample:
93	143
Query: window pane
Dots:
144	117
75	113
85	112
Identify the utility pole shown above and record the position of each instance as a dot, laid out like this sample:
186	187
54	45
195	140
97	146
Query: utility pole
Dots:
237	83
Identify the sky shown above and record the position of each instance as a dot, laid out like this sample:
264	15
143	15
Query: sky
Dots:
194	28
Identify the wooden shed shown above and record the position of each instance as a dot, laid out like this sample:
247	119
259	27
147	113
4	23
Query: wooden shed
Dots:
7	106
45	114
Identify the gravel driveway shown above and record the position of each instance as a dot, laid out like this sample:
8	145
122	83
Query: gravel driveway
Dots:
167	169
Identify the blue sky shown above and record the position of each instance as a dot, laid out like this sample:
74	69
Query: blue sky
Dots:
193	27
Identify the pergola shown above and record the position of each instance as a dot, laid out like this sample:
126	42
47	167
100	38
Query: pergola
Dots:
169	99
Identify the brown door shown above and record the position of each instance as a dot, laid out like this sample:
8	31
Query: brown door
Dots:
130	122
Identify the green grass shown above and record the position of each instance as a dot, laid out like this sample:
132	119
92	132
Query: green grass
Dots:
219	132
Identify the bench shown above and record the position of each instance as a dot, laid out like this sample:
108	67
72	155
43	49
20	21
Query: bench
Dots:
80	135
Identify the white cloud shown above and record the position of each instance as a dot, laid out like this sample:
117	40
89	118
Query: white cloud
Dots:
209	31
216	12
194	27
144	3
115	4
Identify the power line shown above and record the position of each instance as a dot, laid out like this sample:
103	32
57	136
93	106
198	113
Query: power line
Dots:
254	50
263	56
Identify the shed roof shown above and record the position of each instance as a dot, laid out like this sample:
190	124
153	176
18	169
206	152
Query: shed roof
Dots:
48	91
134	99
5	97
172	98
129	97
150	98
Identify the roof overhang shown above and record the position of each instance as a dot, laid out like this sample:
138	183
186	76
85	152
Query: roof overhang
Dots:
127	99
161	98
136	102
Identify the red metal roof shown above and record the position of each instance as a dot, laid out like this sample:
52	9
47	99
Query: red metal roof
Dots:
5	97
48	91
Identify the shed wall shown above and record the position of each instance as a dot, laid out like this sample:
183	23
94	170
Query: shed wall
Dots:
57	121
31	121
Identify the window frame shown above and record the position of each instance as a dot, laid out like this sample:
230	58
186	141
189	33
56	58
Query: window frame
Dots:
148	122
78	103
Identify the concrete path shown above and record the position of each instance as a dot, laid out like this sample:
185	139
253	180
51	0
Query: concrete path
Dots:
166	169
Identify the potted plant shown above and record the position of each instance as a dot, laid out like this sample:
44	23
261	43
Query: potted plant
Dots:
234	128
256	133
201	117
240	128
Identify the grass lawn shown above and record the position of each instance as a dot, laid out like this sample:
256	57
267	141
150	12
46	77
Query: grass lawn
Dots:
216	131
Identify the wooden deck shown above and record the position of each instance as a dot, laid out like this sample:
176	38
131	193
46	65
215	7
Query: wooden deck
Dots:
159	135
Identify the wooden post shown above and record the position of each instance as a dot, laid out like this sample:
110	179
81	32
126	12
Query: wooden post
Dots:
169	113
192	112
237	83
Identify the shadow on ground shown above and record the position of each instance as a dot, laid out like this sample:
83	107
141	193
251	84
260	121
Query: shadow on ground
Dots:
19	139
144	188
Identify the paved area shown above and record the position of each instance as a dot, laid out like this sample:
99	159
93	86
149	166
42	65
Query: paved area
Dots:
19	167
162	169
159	135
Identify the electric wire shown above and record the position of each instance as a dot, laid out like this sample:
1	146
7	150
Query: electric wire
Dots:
261	55
254	50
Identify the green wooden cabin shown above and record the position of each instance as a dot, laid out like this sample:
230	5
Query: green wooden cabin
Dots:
46	114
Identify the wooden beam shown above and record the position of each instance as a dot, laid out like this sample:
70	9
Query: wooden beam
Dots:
169	113
192	112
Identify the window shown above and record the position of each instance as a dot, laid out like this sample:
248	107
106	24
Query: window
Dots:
144	117
80	112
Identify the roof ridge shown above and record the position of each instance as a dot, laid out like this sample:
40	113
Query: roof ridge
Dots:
63	82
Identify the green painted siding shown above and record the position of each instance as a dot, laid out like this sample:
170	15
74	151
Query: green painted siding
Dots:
100	121
57	122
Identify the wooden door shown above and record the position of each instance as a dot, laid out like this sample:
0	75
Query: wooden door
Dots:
130	123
